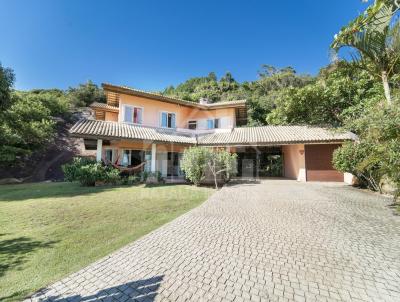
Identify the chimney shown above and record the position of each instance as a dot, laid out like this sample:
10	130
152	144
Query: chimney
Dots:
204	101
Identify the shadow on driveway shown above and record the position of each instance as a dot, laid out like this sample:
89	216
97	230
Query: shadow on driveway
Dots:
140	290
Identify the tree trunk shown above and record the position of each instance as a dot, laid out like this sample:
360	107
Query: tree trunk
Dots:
214	173
386	87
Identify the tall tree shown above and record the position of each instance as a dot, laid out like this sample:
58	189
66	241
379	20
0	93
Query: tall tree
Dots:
7	78
340	92
376	41
85	94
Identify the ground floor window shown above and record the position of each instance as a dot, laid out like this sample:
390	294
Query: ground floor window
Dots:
131	158
109	155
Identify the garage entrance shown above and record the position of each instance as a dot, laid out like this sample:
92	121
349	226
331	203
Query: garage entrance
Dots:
319	163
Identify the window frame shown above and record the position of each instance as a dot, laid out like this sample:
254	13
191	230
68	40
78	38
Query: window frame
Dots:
113	153
167	112
213	123
218	122
133	113
192	121
144	153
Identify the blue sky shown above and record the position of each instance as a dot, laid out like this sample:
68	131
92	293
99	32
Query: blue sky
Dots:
153	44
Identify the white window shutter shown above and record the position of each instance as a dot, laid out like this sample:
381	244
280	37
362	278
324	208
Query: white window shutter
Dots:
140	115
164	119
225	122
202	124
173	120
128	115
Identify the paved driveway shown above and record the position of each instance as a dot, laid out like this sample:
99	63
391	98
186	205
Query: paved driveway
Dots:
277	240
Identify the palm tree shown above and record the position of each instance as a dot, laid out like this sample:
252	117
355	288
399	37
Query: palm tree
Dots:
376	38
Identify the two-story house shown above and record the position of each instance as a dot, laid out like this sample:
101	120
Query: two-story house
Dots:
137	126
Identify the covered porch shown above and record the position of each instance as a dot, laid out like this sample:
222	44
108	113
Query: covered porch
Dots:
156	156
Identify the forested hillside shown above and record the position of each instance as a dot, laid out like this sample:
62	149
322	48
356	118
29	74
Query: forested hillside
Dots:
34	127
282	96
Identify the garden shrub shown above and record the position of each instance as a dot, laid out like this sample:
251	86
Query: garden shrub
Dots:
357	159
197	160
194	163
376	155
130	180
88	172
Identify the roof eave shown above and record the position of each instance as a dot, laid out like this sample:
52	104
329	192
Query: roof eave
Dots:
108	108
126	90
283	143
111	137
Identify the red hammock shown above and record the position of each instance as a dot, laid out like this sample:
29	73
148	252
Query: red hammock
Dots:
124	169
130	170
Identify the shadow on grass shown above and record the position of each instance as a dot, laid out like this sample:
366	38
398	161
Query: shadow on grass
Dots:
15	252
17	296
238	181
140	290
160	185
21	192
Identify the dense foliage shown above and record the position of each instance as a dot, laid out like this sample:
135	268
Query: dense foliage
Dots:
340	91
374	158
375	36
260	94
221	163
194	163
197	161
87	172
85	94
377	153
28	119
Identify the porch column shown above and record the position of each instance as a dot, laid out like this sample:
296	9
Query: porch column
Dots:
153	157
99	150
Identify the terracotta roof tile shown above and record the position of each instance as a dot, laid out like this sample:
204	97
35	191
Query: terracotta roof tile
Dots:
274	135
266	135
104	107
104	129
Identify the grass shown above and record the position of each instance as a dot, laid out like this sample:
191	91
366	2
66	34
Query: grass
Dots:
49	230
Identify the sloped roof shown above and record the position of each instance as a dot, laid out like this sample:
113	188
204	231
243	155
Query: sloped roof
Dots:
104	107
266	135
274	135
109	130
160	97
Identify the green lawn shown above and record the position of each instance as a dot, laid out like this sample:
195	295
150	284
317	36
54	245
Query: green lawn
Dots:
49	230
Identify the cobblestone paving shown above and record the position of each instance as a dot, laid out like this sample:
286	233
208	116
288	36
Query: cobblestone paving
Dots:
277	240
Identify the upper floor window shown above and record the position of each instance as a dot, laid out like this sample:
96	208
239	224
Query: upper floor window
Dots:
213	123
192	125
133	114
168	120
